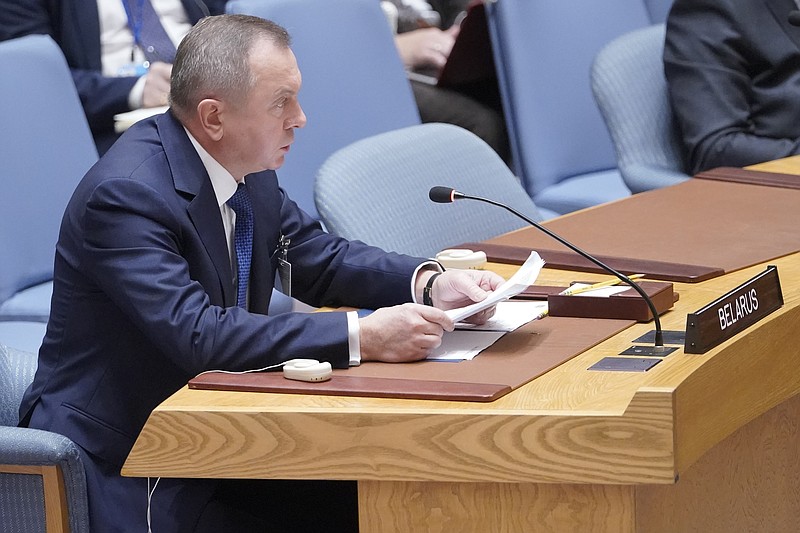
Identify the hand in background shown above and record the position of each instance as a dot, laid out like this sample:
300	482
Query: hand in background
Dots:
156	85
402	333
426	47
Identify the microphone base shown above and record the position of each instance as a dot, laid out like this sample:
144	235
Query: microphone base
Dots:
669	336
649	351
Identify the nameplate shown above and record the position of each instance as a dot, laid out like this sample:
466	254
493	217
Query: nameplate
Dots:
734	312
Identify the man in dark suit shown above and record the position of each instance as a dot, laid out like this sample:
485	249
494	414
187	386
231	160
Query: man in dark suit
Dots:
76	26
145	295
733	70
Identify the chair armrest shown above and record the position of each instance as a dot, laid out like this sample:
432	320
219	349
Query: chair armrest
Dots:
640	178
23	450
26	446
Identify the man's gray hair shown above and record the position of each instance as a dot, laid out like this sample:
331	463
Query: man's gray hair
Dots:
212	61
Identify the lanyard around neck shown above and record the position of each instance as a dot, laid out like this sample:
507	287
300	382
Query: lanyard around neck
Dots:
135	19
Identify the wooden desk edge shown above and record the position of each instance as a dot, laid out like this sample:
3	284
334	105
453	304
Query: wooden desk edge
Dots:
680	424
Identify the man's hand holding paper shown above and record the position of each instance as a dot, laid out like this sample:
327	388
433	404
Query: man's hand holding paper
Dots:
457	295
522	279
465	287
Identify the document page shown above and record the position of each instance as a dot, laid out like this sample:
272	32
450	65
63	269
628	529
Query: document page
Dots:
468	340
521	280
509	316
123	121
461	345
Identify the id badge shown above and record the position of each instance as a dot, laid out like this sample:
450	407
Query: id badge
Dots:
133	69
285	276
284	266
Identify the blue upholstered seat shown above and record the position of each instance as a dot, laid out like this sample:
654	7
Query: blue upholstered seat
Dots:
354	84
543	52
631	91
32	502
22	335
376	190
47	147
658	10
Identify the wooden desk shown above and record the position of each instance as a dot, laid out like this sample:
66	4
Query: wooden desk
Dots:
700	443
787	165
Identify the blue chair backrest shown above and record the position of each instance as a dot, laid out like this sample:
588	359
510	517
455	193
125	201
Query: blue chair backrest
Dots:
45	148
631	92
354	84
543	51
658	10
376	190
29	501
17	369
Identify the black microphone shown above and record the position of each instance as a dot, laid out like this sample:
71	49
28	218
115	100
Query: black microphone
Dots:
446	195
794	18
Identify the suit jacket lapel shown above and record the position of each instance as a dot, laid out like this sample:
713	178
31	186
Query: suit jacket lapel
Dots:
780	10
190	178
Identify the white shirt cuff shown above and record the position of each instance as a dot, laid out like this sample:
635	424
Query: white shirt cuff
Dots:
354	329
135	96
353	338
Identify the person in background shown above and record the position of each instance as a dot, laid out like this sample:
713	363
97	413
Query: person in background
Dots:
165	264
106	44
424	46
733	71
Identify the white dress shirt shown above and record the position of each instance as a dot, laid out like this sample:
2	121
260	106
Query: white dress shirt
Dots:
116	38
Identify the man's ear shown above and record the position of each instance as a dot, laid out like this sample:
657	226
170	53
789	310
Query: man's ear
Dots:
209	113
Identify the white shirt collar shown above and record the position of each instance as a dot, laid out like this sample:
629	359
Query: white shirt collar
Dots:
222	181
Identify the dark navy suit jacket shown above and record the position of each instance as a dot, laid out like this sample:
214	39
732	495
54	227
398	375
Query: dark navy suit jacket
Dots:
733	69
144	297
75	26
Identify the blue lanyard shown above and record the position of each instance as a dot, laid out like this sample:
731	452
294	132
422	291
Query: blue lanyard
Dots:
135	22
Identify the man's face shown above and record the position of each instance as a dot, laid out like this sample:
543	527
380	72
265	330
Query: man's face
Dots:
260	130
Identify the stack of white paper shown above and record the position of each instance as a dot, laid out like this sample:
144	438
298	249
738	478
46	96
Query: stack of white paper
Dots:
469	340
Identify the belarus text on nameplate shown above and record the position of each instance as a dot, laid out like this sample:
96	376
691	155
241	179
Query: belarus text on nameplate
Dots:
734	312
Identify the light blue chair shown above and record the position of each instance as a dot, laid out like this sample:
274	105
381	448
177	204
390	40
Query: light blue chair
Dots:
22	335
42	480
543	52
46	147
376	190
631	91
354	84
658	10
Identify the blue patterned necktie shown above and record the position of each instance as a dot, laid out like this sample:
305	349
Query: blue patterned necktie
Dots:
148	32
242	240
